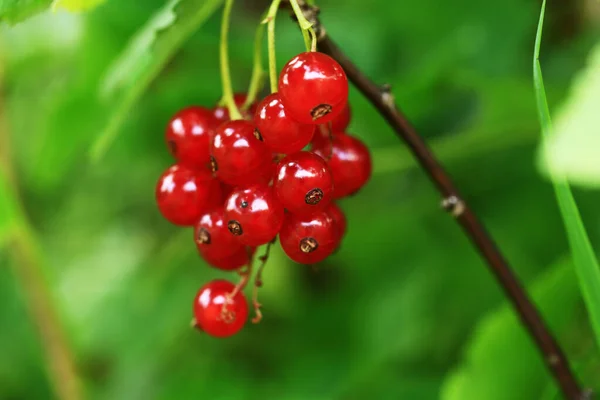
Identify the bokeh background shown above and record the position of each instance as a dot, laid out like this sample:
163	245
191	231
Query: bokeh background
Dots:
406	309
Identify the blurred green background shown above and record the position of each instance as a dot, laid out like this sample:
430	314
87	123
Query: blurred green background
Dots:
406	309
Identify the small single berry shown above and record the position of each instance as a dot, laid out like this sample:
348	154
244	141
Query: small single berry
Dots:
339	218
342	120
217	313
232	262
313	88
349	161
280	132
254	214
215	243
308	240
239	158
183	195
303	183
221	113
188	136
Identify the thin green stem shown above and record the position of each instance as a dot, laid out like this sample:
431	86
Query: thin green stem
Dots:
258	71
234	113
305	27
270	20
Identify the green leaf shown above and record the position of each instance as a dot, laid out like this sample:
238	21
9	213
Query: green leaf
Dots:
583	255
143	59
501	361
76	5
13	11
572	148
8	208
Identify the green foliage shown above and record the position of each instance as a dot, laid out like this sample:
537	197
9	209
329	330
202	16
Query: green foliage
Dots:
76	5
8	208
583	255
13	11
144	58
501	363
571	150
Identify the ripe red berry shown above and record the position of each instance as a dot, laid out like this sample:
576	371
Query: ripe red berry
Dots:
280	132
303	183
216	312
183	195
239	157
216	244
313	88
349	161
221	113
342	120
339	219
237	260
308	240
254	214
187	136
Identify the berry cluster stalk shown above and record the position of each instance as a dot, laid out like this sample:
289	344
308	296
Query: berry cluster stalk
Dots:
383	100
258	71
234	113
270	20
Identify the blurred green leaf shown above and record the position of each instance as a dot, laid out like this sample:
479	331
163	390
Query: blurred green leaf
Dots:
13	11
572	148
145	56
501	362
8	208
76	5
582	252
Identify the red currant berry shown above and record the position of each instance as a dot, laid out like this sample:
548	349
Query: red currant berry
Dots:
342	120
308	240
188	136
213	239
183	195
339	219
349	162
221	113
280	132
229	263
239	157
254	214
216	312
303	183
313	88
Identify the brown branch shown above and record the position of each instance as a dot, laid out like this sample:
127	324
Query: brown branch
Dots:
382	99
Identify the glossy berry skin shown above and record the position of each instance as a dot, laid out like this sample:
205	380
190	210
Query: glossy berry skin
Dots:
183	195
211	317
216	244
240	158
308	240
342	120
221	113
339	219
280	132
188	136
349	161
313	88
303	183
254	214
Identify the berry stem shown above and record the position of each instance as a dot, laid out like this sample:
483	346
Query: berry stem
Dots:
270	20
258	282
234	113
383	100
308	33
258	71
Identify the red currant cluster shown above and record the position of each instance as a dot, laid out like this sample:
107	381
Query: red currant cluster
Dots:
242	182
